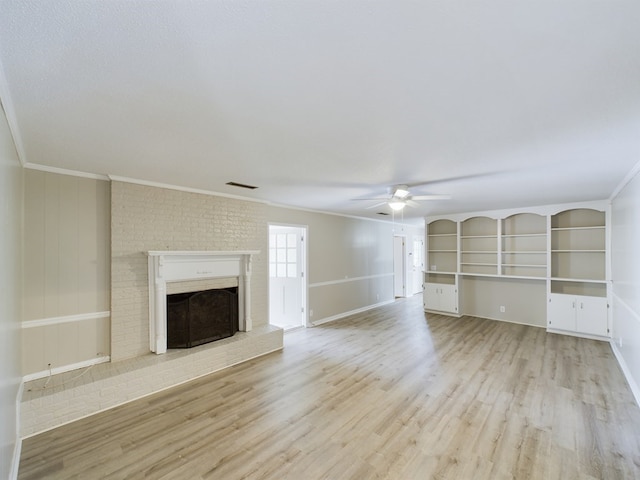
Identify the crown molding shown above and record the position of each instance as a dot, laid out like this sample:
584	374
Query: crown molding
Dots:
64	171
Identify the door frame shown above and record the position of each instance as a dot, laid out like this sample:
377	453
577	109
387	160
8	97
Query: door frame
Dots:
417	275
304	289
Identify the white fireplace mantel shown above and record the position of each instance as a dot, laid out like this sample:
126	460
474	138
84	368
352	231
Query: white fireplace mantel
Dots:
179	266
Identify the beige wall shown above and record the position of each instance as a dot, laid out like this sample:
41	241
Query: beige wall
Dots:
150	218
525	301
11	185
66	271
350	260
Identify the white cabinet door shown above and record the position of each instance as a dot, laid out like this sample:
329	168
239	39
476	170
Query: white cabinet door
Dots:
592	315
562	312
448	298
441	297
431	296
578	314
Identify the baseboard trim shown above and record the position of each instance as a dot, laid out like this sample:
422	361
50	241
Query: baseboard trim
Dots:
15	463
505	320
351	312
65	368
635	390
588	336
17	447
445	314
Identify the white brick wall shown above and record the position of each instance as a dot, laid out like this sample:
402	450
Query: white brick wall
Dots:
147	218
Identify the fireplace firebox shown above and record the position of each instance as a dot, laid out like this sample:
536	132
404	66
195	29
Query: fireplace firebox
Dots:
197	318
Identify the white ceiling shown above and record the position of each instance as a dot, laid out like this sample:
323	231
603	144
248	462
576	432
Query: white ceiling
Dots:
500	103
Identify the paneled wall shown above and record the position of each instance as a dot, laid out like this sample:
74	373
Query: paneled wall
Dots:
625	272
11	185
66	272
151	218
350	260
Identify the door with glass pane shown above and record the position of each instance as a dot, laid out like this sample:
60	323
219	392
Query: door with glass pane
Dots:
286	276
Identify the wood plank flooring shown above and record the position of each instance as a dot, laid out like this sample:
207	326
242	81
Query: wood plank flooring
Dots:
392	393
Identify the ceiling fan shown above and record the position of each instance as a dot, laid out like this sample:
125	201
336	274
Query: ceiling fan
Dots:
400	196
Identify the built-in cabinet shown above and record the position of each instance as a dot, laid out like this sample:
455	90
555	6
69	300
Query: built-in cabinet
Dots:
441	297
578	314
564	247
441	287
578	284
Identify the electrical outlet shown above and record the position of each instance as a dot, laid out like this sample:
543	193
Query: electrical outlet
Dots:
311	312
502	309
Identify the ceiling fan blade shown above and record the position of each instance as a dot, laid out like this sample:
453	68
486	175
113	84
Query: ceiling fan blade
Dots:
376	205
431	197
371	198
454	179
413	204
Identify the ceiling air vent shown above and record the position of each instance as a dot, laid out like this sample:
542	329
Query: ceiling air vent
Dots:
241	185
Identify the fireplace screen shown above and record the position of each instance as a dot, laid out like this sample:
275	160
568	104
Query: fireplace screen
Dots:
196	318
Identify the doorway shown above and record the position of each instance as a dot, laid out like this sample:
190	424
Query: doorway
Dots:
287	276
399	267
418	264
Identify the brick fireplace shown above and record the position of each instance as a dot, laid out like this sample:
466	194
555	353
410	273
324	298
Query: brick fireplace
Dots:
180	266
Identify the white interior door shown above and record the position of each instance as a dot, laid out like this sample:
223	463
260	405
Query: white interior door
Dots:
399	270
418	264
286	276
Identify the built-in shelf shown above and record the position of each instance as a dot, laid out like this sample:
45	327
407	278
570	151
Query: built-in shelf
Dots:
559	229
577	280
578	251
526	252
523	265
564	251
524	235
578	245
442	246
489	275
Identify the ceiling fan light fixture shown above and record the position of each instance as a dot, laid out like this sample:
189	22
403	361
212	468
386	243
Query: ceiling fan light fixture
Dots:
397	205
401	191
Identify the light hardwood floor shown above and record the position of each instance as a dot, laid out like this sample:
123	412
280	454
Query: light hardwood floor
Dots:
392	393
